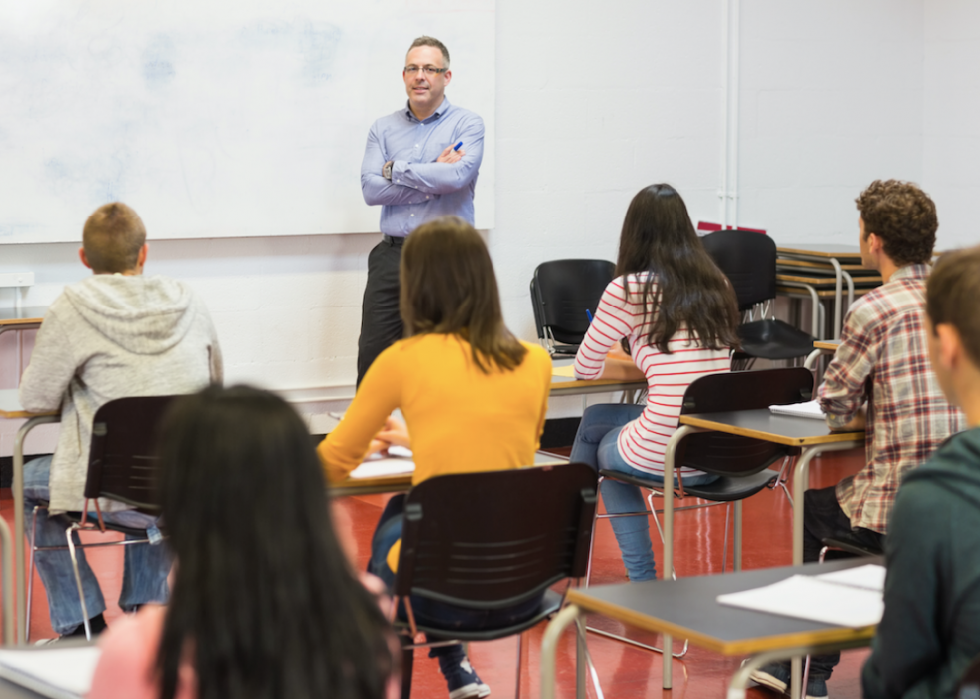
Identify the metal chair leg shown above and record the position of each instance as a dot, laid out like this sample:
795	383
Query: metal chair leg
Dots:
30	577
517	689
78	582
580	632
595	520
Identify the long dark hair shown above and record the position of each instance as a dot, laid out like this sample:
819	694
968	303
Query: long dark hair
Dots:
448	286
264	602
684	287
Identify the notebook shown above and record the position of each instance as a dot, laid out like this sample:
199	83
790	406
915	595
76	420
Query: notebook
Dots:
809	409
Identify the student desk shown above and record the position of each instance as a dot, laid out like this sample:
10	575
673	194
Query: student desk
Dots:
568	386
687	608
403	481
836	256
10	408
21	319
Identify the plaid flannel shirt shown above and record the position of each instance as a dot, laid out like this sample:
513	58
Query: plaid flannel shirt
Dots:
883	360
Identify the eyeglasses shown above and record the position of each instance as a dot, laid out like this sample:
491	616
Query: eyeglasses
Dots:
428	70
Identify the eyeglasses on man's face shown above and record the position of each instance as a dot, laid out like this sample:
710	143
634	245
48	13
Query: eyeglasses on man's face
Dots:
428	70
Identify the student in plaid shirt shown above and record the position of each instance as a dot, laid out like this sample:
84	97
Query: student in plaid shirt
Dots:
879	380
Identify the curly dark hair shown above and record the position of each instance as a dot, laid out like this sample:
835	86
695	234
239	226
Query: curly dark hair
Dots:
903	216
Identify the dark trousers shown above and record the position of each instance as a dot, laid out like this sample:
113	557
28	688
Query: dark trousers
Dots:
824	518
381	320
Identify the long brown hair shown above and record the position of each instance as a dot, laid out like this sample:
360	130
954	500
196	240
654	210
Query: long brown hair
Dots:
690	289
448	287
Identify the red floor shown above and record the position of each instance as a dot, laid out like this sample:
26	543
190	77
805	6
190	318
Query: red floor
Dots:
623	671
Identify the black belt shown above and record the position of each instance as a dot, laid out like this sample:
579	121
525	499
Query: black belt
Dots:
392	240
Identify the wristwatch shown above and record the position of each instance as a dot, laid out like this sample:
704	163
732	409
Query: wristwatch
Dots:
386	170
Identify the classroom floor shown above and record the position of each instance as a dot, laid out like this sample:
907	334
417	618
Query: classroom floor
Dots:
624	672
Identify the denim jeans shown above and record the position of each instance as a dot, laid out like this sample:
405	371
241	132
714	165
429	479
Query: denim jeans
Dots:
596	445
429	612
145	567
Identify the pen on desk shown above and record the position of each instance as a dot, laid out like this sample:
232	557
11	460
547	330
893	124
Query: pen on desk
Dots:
588	314
458	146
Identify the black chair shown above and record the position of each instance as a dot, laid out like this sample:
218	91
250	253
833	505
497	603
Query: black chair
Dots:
748	259
561	291
122	467
492	540
741	462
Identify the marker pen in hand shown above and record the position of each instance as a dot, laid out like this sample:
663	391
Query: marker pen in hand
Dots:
458	146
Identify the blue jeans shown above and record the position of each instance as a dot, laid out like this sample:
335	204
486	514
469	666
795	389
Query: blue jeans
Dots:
428	612
145	566
596	445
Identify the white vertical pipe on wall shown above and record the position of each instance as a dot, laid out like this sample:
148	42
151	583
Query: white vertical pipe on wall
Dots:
729	177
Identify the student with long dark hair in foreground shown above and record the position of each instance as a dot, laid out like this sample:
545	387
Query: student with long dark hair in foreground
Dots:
678	314
264	603
473	396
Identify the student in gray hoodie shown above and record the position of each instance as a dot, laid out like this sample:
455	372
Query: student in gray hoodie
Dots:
116	334
930	630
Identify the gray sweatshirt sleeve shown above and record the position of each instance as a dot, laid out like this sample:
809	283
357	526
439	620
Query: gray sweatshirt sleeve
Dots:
52	366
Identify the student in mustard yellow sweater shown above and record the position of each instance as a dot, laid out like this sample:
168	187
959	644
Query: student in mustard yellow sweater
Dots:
473	396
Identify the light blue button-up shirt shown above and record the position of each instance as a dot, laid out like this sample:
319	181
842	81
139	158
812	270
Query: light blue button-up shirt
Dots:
420	188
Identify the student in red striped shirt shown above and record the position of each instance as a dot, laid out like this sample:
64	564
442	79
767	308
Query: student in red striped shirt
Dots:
677	314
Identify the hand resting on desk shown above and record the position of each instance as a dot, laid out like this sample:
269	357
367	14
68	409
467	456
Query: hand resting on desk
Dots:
394	433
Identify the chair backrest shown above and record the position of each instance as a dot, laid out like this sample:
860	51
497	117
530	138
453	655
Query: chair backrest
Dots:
726	454
496	538
561	290
122	459
748	259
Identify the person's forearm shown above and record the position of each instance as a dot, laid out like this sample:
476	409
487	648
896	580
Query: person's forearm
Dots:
621	369
379	191
435	178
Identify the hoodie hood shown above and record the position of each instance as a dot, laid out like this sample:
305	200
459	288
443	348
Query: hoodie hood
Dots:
954	467
142	314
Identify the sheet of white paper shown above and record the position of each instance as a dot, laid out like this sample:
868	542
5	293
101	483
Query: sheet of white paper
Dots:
60	673
395	450
807	597
377	468
808	409
868	577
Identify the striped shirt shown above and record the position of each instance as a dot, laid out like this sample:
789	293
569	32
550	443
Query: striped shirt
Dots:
643	442
883	360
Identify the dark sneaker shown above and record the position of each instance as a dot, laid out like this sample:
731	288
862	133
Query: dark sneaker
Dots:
776	676
464	683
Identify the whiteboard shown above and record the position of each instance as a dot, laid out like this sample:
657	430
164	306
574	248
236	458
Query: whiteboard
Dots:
215	118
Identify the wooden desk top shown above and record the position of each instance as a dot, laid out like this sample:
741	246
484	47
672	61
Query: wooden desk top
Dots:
10	405
403	481
820	266
821	250
821	293
568	386
827	345
31	315
872	280
779	429
686	608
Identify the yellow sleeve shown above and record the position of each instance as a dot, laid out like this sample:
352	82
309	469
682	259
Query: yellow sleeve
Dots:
378	395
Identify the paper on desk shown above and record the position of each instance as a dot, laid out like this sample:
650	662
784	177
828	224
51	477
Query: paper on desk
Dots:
810	408
808	597
59	673
868	577
388	466
567	371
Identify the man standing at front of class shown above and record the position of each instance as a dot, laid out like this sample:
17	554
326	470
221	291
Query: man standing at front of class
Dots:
416	169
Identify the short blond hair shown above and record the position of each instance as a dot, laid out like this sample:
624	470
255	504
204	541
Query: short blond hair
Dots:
112	239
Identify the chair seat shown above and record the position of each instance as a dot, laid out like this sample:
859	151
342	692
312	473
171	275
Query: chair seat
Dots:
570	350
847	543
773	339
724	489
550	603
94	520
